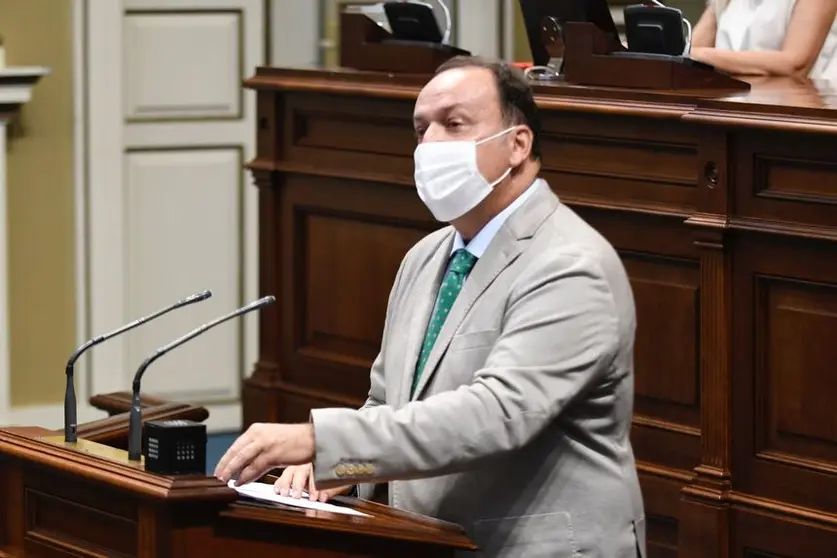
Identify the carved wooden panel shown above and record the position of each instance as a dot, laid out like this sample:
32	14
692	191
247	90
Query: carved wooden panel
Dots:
802	422
787	177
347	134
11	525
58	514
666	298
662	264
621	161
784	386
762	535
344	241
54	521
347	262
661	497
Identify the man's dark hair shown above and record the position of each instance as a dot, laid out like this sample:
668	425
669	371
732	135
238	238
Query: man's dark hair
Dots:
516	100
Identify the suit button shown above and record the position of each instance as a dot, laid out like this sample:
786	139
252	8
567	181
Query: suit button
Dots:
340	470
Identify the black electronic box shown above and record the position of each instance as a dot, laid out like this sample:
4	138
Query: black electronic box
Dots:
175	447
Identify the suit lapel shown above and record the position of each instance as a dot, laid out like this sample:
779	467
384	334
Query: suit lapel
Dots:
502	251
426	289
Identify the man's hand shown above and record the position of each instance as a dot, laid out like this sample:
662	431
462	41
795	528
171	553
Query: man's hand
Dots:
264	447
297	478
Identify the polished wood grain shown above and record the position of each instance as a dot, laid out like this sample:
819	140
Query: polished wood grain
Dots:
120	402
113	430
364	46
723	207
58	501
593	57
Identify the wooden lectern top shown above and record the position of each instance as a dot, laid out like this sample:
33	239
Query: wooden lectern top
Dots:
103	464
89	499
768	98
385	521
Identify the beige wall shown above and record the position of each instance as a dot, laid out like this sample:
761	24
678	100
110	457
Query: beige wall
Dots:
40	202
522	52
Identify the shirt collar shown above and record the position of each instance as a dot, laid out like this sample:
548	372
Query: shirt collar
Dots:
483	238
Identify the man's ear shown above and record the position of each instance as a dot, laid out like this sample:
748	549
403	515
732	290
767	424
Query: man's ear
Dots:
521	145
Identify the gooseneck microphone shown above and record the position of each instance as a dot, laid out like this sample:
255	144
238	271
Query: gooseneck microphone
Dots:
70	418
135	424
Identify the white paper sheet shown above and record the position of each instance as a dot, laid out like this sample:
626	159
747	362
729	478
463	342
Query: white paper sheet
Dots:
266	492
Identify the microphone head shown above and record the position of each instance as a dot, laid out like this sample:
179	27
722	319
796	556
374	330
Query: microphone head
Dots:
264	301
200	296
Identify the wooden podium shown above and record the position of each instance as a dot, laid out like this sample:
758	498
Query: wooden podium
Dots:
723	208
366	46
113	431
591	57
87	499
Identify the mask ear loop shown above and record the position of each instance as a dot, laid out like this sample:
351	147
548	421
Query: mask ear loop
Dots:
502	178
495	136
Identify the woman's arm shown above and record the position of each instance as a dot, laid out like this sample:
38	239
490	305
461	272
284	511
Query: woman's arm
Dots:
808	28
703	35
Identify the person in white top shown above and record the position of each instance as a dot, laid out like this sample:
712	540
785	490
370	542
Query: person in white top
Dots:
796	38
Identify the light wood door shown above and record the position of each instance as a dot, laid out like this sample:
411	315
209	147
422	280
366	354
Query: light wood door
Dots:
169	208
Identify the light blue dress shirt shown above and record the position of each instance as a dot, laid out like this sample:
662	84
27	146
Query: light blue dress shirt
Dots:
482	239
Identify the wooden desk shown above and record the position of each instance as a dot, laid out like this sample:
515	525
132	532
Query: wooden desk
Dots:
724	210
82	501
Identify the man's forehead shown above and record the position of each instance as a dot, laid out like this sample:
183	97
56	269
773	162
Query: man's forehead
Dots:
472	86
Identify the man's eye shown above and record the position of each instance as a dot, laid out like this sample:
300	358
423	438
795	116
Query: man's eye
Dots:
454	124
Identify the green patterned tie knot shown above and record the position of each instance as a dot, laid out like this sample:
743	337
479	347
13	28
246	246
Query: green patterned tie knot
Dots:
460	266
462	262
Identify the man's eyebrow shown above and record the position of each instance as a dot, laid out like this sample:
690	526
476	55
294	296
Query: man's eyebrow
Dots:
446	109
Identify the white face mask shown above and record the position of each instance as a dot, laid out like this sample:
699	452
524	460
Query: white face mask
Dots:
447	177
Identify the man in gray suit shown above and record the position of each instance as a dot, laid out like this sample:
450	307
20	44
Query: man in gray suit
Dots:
502	396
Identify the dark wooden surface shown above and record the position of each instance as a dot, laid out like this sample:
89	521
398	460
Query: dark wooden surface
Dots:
592	57
119	402
58	501
362	48
724	209
113	430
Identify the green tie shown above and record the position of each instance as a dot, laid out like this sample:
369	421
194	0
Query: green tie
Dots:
460	265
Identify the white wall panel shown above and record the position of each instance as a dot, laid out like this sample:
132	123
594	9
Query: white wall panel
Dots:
294	33
182	222
478	29
182	64
171	209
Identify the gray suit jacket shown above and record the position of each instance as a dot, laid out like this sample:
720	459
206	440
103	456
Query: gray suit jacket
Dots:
519	428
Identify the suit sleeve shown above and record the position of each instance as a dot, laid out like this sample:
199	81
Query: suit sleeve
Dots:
559	336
